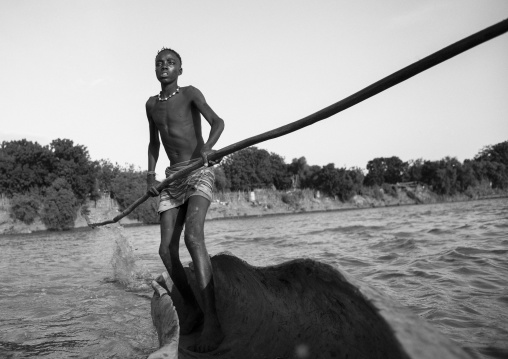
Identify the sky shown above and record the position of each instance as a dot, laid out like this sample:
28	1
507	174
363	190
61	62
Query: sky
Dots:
83	70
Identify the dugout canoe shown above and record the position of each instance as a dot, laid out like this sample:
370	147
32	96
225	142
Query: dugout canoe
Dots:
299	309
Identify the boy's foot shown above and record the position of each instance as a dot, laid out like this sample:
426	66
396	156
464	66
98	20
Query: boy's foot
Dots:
161	280
158	288
209	340
190	315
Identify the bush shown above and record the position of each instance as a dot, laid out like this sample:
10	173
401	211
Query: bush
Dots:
292	198
373	191
147	212
59	206
339	182
127	187
253	168
390	190
25	207
221	182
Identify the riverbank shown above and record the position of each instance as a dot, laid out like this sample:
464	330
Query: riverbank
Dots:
268	203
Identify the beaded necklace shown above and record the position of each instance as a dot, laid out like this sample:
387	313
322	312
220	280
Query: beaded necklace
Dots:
167	98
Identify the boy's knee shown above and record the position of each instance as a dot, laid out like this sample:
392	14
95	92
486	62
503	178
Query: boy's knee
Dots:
169	251
193	240
163	252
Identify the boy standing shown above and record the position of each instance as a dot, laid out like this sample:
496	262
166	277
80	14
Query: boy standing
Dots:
175	115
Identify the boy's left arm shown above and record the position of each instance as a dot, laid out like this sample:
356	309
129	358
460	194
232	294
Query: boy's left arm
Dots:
216	124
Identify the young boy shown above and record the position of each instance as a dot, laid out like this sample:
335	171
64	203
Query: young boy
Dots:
175	115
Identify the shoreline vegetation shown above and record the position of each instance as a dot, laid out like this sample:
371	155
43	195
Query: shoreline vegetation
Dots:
274	203
264	203
55	187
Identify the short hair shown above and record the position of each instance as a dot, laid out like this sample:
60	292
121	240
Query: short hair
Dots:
173	51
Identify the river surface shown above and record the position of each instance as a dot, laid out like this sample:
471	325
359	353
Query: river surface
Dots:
84	294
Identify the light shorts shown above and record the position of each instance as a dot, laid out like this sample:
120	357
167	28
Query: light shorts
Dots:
196	183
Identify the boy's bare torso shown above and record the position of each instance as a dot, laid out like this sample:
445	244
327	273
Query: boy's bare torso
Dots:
179	123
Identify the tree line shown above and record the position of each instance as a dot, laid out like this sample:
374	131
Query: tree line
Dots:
53	181
256	168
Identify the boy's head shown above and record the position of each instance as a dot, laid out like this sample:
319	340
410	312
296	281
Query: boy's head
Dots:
168	65
170	50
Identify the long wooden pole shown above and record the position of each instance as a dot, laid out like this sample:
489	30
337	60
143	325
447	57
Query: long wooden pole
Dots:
377	87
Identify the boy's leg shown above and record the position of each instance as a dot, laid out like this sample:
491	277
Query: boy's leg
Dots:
212	335
172	222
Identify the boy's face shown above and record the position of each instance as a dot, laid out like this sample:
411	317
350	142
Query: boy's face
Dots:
167	67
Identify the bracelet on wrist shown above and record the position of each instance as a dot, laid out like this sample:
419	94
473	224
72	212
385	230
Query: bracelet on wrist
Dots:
150	173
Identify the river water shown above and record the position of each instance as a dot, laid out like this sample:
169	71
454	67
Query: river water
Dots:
84	294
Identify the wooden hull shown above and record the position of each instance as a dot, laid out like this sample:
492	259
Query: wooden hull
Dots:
299	309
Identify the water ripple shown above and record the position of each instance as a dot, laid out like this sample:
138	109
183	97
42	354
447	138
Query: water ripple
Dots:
84	294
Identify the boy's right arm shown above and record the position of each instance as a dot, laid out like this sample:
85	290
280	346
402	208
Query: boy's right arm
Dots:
153	150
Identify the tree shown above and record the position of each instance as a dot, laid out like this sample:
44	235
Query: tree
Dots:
59	206
25	207
385	169
95	195
429	172
395	170
326	179
73	163
255	168
281	178
127	187
309	178
442	175
24	165
357	177
492	164
496	153
106	174
348	187
414	170
467	176
221	182
7	165
496	173
447	182
302	172
338	181
240	170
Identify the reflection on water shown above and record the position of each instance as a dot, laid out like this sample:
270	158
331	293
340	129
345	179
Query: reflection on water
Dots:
84	294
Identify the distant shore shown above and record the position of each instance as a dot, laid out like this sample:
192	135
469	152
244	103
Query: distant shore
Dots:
262	203
245	209
342	208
